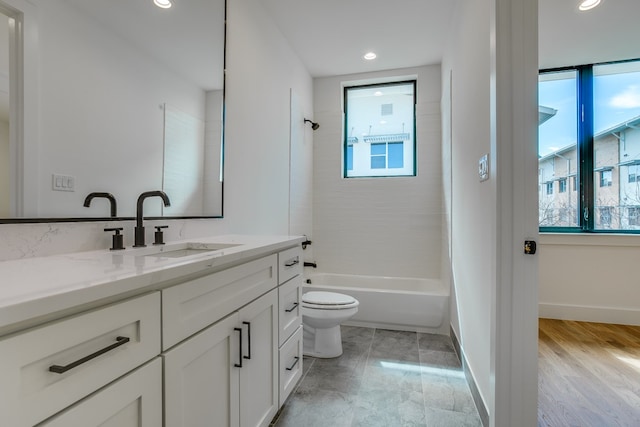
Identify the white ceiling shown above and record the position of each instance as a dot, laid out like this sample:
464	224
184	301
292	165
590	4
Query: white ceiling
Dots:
609	32
330	36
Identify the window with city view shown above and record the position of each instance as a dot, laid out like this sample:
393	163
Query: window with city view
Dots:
379	134
589	134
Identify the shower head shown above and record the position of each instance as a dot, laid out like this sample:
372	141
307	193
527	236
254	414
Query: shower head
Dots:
314	125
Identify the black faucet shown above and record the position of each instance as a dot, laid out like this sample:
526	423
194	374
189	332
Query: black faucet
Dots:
139	230
112	200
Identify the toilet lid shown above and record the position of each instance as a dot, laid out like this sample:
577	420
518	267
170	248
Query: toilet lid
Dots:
327	298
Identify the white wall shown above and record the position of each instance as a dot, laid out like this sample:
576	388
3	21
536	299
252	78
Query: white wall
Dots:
378	226
262	69
256	160
466	68
490	85
590	278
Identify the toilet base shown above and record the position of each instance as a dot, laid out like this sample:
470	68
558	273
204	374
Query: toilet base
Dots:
323	343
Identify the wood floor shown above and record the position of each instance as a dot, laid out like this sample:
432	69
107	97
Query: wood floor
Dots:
589	374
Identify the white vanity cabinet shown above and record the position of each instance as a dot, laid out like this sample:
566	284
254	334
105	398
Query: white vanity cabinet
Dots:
48	368
225	374
188	345
290	320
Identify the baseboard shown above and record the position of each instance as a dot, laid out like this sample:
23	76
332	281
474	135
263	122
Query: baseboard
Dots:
580	313
475	393
439	331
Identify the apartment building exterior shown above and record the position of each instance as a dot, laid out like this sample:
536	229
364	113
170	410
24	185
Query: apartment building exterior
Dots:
616	177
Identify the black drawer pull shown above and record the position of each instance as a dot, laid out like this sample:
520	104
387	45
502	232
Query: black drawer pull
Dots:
62	369
292	262
248	339
239	365
293	307
295	362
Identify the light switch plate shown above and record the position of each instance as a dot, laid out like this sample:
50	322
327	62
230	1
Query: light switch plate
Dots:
483	168
63	182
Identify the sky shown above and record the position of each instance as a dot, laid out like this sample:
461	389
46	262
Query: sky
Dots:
617	98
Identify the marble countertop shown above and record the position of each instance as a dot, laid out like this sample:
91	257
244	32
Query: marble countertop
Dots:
36	287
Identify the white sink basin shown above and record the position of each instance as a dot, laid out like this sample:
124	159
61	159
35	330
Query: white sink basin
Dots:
179	250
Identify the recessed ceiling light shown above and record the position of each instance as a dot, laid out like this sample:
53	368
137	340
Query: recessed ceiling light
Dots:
369	56
588	4
165	4
377	93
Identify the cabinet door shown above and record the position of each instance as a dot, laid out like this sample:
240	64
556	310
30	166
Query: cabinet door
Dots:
201	383
259	372
133	401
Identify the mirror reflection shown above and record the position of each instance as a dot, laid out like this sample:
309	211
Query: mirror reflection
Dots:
129	100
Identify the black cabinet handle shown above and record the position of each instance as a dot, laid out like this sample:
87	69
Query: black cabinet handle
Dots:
292	263
293	307
248	339
58	369
239	365
295	362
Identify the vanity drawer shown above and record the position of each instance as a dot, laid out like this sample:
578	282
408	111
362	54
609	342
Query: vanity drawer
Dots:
192	306
135	400
48	368
290	264
290	364
289	301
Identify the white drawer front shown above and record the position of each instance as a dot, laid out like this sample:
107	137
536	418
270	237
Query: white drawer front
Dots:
86	347
133	401
192	306
290	364
289	301
290	263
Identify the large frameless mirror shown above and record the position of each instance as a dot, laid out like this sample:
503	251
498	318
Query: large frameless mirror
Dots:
129	99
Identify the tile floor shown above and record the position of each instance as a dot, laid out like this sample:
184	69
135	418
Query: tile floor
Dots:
383	379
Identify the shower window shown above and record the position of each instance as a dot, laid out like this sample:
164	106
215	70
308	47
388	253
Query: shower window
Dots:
379	134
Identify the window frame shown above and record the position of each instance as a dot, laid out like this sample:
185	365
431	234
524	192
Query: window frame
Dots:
584	151
412	141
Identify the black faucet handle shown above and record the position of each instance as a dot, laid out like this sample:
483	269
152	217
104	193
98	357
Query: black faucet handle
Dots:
117	240
159	235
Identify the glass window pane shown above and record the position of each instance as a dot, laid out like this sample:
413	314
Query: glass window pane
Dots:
378	162
557	148
378	149
396	155
379	118
616	145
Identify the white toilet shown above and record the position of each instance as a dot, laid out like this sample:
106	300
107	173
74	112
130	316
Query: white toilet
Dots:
322	314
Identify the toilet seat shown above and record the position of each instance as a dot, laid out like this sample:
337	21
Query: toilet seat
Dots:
318	300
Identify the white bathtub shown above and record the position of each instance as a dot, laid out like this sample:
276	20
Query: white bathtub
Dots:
398	303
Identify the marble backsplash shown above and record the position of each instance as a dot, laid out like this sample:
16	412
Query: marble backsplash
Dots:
42	239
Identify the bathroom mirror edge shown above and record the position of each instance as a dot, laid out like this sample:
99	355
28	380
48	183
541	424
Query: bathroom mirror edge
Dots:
24	157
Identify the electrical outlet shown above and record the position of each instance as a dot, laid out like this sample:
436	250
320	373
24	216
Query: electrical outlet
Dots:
63	182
